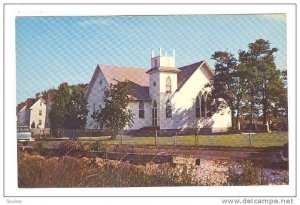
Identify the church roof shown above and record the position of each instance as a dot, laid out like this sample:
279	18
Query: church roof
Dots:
137	77
186	72
120	73
163	69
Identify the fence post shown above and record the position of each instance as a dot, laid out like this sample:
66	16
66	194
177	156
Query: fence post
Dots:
122	137
175	138
155	137
250	139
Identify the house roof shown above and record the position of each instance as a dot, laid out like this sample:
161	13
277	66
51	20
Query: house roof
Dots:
30	102
20	106
137	77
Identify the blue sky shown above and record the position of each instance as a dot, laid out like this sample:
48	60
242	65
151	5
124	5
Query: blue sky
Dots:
51	50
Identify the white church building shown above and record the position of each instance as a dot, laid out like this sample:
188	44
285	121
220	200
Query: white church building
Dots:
164	96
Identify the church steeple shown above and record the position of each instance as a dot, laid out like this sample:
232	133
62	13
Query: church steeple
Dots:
163	62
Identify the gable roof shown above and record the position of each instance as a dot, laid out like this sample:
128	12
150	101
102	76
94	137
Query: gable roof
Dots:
137	77
30	102
20	106
187	71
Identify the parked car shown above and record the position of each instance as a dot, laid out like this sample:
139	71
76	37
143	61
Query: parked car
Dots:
24	134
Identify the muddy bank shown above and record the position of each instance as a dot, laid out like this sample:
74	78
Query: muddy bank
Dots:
41	171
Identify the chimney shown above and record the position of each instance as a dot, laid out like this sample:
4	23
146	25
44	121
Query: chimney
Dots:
173	52
152	53
160	52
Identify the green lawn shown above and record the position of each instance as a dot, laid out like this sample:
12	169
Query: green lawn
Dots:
231	140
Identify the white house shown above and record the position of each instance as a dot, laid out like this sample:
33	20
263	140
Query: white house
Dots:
164	96
32	112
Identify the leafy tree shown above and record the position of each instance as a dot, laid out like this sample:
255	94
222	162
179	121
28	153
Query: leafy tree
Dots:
252	86
225	82
115	115
265	85
69	108
77	108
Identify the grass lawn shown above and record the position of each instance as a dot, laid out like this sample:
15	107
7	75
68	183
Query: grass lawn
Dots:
231	140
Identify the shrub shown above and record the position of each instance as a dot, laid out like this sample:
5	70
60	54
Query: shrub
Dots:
38	171
247	174
38	145
72	145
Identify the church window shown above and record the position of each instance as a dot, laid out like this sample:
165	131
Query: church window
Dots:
154	114
203	106
197	107
208	104
141	110
168	109
154	83
168	85
100	82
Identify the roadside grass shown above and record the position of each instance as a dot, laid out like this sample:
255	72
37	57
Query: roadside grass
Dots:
227	140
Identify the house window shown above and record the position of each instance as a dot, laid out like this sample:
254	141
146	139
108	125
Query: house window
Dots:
141	110
100	82
41	103
40	112
197	107
168	109
40	122
154	83
168	85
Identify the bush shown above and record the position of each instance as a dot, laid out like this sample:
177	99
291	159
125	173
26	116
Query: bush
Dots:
247	174
37	171
73	145
39	145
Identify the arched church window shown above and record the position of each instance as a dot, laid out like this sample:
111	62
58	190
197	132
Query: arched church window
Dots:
203	106
154	113
141	110
168	85
197	107
208	105
168	109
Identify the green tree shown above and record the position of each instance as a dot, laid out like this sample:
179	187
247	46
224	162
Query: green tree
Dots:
224	81
265	83
69	108
115	115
